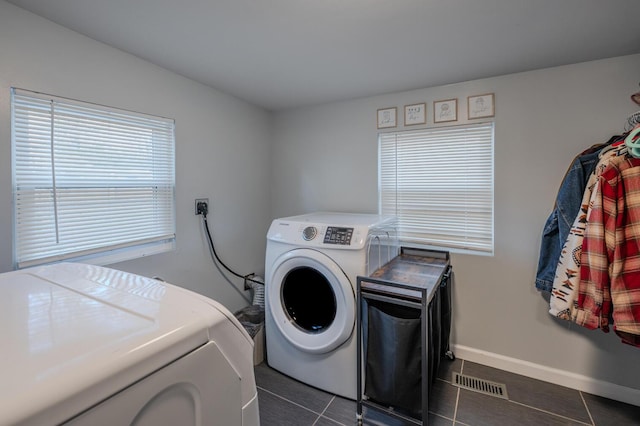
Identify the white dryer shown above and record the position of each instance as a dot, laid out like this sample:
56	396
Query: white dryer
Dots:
86	345
312	262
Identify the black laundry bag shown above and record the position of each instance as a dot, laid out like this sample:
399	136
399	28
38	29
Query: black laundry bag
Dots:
393	365
393	354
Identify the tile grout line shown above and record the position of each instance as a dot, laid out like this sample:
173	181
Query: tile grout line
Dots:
455	411
324	411
587	408
333	398
329	419
440	415
549	412
288	400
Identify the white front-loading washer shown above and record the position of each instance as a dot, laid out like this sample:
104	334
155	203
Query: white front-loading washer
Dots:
312	262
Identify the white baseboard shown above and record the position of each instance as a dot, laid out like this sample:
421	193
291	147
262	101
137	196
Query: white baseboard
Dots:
548	374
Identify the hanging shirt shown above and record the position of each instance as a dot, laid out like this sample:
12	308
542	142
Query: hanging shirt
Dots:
558	224
567	205
610	259
567	277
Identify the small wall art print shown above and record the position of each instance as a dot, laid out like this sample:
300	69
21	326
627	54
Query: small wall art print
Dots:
415	114
481	106
387	117
446	110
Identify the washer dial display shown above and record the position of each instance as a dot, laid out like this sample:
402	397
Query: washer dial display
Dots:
336	235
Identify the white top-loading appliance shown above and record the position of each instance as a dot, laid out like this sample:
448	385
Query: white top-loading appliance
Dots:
312	262
86	345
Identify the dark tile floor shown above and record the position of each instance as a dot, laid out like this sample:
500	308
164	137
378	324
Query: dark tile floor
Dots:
284	401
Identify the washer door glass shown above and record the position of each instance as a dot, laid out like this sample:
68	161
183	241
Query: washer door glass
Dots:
311	300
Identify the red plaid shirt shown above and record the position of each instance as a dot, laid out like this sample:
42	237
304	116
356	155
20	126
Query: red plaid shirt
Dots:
610	260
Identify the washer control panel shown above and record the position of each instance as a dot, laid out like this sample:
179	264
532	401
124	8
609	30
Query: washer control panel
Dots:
330	231
338	235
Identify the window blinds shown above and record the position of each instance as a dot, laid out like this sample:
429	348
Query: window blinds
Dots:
439	183
88	179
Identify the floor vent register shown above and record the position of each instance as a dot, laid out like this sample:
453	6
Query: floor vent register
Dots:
475	384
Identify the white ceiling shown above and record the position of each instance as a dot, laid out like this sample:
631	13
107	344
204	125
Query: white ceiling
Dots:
282	54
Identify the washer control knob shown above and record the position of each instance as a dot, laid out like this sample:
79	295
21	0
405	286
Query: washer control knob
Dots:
309	233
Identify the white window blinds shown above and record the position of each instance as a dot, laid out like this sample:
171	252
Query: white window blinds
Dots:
89	179
439	183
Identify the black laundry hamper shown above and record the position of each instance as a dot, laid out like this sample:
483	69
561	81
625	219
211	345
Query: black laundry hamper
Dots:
392	346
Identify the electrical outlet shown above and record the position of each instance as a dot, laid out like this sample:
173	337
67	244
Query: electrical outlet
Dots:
202	206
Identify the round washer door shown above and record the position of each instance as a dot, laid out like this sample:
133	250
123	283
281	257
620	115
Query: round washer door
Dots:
311	300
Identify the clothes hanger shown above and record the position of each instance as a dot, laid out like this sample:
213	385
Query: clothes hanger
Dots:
632	141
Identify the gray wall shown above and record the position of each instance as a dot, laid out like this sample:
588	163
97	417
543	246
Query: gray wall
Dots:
254	167
325	158
222	145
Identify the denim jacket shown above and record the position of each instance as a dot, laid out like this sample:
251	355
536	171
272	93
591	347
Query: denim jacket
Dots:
558	225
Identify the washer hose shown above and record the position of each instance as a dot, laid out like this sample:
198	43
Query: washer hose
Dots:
257	285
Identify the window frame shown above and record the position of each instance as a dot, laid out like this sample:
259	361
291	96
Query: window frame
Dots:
468	225
104	162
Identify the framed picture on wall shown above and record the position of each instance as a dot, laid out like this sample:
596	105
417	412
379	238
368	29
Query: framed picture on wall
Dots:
415	114
481	106
446	110
387	117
